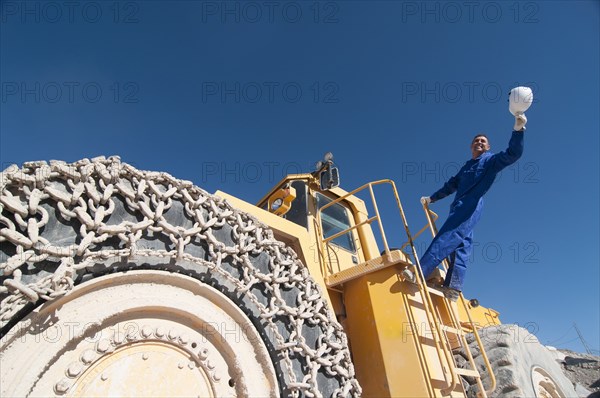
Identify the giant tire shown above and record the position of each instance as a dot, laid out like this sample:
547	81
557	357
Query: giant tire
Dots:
522	366
67	229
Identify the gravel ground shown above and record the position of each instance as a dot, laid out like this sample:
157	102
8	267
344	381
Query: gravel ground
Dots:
582	369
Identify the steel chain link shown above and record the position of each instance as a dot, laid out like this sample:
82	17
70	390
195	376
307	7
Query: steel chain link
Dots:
83	191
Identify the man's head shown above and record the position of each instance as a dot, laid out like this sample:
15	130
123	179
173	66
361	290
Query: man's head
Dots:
479	145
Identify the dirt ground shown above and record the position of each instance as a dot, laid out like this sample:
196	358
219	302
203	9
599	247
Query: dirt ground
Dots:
583	369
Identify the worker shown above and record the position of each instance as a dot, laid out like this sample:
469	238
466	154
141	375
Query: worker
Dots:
455	238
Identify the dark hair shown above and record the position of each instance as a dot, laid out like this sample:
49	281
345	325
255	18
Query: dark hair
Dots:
480	135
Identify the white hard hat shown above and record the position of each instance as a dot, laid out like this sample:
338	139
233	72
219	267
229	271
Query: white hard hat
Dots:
519	99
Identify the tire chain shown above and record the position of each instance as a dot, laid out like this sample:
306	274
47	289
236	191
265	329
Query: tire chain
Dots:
151	194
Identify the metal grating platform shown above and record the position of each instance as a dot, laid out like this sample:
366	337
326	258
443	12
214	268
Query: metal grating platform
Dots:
397	257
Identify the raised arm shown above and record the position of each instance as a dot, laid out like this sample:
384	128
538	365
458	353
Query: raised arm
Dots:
514	151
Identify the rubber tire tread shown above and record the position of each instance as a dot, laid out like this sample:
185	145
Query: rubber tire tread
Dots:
513	353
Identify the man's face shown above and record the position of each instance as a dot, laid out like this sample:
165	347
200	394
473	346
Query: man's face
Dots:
479	145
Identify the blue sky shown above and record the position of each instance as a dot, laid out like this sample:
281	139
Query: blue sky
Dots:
232	95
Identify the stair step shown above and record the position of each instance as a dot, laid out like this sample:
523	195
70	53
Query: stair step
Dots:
467	372
451	329
435	291
396	257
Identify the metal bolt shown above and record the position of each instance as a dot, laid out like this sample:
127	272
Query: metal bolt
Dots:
118	337
88	356
184	339
146	331
102	346
74	369
145	356
62	386
203	354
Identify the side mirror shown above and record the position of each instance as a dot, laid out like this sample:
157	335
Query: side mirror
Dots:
330	178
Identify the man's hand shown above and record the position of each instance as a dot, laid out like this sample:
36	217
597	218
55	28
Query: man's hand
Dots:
425	200
520	122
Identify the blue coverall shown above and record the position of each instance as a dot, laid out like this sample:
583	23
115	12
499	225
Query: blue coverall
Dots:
471	182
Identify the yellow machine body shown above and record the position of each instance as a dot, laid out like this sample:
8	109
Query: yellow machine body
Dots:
394	347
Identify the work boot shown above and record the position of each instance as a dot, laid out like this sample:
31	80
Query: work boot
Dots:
450	294
408	275
437	277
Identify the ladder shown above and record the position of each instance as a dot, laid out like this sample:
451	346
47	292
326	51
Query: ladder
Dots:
449	326
444	325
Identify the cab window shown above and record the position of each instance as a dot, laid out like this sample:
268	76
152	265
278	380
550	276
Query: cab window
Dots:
335	219
299	211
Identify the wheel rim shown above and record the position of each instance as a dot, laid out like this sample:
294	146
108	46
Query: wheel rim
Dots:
543	385
140	333
120	371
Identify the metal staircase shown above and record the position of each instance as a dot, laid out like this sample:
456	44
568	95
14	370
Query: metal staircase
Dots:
446	332
455	326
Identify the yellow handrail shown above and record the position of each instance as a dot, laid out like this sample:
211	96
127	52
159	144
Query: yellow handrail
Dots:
376	217
443	351
418	233
344	232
